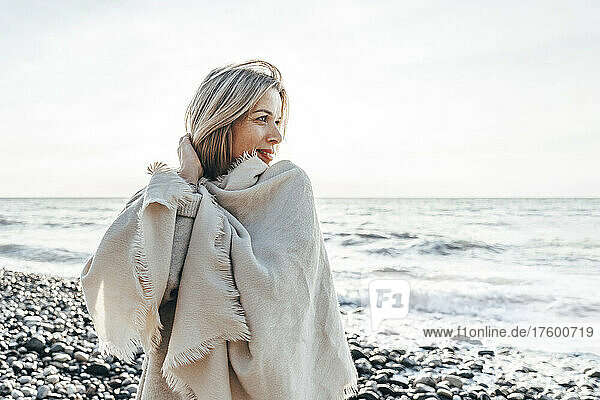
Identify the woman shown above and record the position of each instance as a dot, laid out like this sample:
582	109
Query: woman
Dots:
222	124
231	293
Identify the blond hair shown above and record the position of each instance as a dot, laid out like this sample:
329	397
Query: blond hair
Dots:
227	94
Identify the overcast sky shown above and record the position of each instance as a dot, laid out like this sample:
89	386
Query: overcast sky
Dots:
387	98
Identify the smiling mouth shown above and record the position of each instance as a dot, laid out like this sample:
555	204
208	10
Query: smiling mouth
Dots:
267	157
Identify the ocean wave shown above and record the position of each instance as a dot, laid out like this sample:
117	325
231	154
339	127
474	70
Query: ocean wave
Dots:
574	309
343	234
488	223
357	239
385	251
445	247
586	243
5	222
479	301
422	275
475	300
111	209
69	224
347	300
352	242
404	235
442	247
41	254
402	270
371	236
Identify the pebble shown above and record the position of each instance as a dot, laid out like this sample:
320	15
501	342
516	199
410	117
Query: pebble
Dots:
36	343
32	320
24	379
28	391
454	381
43	391
81	356
425	380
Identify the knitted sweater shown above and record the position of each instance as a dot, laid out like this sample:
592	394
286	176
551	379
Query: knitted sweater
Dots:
152	384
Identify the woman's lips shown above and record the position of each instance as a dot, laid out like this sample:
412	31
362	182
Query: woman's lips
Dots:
266	157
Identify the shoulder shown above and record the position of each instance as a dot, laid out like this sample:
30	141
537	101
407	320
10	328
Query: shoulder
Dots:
289	177
287	167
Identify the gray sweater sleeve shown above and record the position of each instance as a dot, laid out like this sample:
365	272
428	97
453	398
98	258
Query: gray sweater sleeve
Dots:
184	221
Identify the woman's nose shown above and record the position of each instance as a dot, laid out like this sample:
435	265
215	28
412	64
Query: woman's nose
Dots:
274	135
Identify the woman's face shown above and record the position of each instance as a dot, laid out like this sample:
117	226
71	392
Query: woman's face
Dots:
260	128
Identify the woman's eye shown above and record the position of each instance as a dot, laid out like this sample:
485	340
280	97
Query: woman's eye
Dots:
263	120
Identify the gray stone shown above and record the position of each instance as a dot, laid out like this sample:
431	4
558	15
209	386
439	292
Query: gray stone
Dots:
362	366
17	366
31	320
81	356
61	357
71	389
425	380
43	391
27	391
454	381
378	359
408	362
16	394
131	388
58	347
6	387
50	370
422	388
36	343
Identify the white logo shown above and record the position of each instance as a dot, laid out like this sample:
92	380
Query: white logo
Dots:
389	299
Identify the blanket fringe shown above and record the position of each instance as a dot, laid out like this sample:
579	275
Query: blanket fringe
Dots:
350	389
147	318
183	194
245	156
158	167
226	273
179	386
127	354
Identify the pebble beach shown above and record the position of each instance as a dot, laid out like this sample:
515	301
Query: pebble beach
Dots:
48	350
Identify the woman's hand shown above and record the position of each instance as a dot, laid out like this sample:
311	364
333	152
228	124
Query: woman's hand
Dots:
191	169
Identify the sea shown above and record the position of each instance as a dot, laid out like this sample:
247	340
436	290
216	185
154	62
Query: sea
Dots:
528	266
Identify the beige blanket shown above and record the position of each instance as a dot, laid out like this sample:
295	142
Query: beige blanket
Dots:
256	286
